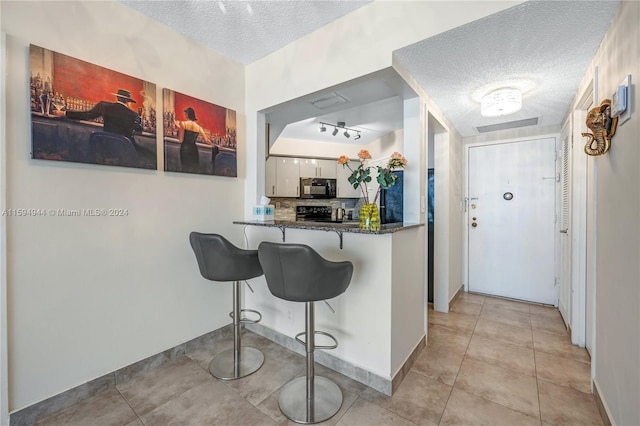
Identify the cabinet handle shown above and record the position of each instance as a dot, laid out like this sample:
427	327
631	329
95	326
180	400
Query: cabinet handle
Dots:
319	171
297	190
273	190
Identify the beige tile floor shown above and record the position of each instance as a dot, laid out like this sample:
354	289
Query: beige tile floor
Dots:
488	362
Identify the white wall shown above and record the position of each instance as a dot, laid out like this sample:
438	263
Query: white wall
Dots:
89	295
456	214
617	245
408	295
4	382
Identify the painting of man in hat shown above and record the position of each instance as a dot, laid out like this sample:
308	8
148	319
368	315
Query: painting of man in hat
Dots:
85	113
117	117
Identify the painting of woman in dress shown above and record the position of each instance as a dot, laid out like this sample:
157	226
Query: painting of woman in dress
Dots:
199	137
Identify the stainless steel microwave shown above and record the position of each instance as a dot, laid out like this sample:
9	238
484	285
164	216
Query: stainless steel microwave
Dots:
317	188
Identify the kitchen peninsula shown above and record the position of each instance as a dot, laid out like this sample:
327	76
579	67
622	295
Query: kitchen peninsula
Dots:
380	321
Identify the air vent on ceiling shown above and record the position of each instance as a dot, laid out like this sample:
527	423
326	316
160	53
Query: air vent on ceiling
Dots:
508	125
328	100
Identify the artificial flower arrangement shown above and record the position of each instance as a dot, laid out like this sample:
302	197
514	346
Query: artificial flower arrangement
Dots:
361	176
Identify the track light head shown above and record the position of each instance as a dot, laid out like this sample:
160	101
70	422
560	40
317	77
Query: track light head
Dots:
346	134
356	137
322	128
335	131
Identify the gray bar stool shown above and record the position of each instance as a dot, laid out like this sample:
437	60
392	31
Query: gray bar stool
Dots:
219	260
298	273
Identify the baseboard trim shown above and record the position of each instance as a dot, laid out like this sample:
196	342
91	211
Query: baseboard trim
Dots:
40	410
379	383
455	296
411	359
603	408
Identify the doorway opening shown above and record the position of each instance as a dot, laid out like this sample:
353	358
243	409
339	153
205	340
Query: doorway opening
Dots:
510	223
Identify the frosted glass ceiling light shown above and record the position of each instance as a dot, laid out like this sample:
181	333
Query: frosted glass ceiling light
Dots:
501	102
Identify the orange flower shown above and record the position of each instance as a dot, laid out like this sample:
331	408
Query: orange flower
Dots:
343	160
397	160
364	155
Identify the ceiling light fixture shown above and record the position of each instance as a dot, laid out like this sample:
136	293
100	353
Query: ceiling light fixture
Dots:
339	126
501	102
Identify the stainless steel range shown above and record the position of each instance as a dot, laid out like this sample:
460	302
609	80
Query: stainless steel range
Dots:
314	213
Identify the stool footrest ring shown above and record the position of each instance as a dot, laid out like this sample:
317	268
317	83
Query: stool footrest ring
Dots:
248	320
335	345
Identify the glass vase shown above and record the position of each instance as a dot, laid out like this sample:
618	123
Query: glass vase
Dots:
370	217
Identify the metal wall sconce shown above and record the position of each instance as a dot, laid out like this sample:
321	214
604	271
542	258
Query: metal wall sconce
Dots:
340	126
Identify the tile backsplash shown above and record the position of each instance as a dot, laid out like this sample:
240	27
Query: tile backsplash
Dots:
286	207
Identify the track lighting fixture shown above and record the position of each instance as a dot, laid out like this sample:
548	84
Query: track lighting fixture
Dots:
339	126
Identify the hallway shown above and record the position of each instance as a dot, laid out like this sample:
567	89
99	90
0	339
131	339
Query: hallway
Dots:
489	361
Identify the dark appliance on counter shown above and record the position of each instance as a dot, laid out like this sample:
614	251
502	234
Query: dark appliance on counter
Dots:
314	213
317	188
391	202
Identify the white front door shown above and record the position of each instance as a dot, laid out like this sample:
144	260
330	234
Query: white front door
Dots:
511	220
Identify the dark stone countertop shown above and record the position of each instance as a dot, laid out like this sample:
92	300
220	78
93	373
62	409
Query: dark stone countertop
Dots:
350	227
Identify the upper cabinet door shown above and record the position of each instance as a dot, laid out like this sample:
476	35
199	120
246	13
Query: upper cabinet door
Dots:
287	177
308	167
327	168
270	177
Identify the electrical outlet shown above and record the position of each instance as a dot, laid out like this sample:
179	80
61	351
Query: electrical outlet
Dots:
290	315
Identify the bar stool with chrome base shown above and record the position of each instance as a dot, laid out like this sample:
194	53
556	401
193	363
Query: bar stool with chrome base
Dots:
219	260
298	273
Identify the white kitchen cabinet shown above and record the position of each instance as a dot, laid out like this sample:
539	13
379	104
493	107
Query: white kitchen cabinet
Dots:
282	175
270	177
327	168
343	187
310	167
287	177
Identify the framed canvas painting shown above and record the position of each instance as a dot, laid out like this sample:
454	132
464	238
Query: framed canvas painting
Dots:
199	137
85	113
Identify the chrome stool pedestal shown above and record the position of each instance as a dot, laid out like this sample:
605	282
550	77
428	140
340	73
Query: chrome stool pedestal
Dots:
311	398
240	361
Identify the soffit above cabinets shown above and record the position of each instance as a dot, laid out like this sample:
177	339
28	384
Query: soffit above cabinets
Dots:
372	104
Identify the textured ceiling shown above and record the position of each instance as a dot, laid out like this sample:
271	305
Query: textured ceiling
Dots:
245	30
542	47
